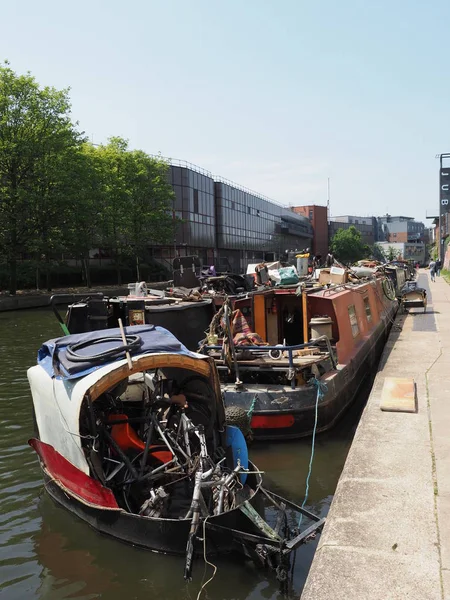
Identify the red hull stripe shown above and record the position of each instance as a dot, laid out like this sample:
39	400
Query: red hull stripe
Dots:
73	480
272	421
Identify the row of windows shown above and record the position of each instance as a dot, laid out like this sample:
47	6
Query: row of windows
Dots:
187	178
224	193
243	219
234	220
193	200
194	218
276	244
244	233
353	318
242	208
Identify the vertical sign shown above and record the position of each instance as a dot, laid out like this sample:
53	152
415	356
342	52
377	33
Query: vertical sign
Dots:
444	185
444	206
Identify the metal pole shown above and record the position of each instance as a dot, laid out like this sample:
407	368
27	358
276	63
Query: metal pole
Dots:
328	199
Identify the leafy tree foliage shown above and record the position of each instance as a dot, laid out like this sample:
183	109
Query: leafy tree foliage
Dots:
347	246
36	133
390	253
61	195
135	201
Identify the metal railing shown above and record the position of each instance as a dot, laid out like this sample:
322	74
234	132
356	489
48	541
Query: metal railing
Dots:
177	162
266	349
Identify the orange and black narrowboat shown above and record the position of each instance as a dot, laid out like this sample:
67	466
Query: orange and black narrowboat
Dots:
314	348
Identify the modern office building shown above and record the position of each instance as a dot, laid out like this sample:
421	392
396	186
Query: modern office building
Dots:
401	229
222	222
318	217
194	207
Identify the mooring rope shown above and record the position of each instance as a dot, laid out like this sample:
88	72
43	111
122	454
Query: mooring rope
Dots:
252	406
321	391
207	562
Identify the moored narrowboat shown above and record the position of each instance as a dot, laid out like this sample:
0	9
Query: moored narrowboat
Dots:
186	315
132	438
296	361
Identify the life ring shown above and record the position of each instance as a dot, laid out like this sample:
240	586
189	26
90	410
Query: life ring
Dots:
388	289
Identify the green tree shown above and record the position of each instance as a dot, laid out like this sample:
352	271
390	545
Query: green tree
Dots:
149	214
377	253
391	253
114	199
36	133
136	202
347	246
82	216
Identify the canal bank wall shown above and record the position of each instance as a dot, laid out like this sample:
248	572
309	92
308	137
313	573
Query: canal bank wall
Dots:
387	535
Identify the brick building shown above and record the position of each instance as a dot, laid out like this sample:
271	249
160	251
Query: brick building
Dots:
318	217
401	229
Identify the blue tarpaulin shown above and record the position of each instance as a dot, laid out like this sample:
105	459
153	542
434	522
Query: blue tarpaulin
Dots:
52	355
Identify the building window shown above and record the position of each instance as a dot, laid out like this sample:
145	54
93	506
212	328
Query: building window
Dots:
367	307
394	235
196	201
353	320
310	215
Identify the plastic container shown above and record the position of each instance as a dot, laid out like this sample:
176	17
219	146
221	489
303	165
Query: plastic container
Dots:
321	326
137	289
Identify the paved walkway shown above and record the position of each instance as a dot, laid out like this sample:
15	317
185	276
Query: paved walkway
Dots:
387	535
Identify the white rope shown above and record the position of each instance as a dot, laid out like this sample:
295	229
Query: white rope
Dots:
207	562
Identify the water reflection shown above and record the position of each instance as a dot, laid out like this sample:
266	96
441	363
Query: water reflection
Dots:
47	553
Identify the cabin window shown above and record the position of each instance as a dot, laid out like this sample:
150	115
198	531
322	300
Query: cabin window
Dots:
367	307
353	320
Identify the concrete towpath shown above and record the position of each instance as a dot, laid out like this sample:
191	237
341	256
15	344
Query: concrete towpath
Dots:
387	535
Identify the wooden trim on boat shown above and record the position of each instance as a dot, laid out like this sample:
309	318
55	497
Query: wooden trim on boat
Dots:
259	307
305	316
144	363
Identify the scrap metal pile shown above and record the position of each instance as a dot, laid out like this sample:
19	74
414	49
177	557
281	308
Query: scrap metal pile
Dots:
161	456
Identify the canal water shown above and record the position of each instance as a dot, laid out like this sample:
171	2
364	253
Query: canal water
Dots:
48	554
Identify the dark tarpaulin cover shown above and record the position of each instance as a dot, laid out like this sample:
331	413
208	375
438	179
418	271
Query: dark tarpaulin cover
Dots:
52	356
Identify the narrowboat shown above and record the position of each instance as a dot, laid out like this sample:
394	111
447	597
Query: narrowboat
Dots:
294	358
185	313
132	438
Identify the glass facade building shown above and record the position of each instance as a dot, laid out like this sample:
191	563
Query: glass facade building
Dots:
221	221
194	206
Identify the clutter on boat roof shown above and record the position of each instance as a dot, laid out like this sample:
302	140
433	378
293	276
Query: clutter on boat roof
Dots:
137	445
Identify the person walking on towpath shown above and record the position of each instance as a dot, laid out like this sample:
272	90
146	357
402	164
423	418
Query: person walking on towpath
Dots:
438	267
432	267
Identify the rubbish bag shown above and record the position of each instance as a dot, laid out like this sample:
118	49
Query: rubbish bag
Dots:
288	276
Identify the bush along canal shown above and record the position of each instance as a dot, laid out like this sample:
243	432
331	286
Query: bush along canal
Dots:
47	552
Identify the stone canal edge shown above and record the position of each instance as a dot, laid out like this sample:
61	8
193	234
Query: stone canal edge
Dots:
387	535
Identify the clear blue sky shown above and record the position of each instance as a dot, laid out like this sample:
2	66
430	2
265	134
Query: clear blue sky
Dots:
276	96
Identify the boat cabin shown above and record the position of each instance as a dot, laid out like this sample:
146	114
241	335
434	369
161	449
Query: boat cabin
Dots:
293	331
